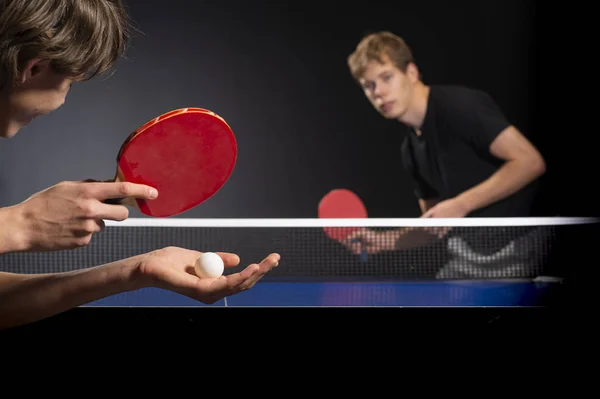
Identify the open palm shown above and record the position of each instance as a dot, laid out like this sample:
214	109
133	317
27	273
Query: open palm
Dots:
172	268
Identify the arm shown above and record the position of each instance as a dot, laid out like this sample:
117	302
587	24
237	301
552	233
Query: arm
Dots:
489	131
11	239
413	237
65	215
397	239
25	298
523	164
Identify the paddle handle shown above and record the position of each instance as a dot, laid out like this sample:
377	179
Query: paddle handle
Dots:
363	253
130	201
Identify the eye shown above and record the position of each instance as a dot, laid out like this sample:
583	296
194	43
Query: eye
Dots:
369	86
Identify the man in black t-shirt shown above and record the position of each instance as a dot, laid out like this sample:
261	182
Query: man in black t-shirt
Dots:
464	157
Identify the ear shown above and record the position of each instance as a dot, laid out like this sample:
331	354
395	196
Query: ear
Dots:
413	72
33	68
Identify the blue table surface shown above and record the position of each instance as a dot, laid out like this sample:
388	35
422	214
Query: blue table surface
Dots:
358	293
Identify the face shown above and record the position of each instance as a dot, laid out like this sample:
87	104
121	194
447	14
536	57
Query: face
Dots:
40	92
389	89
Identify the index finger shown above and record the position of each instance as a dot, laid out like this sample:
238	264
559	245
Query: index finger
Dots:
356	235
229	259
356	247
109	190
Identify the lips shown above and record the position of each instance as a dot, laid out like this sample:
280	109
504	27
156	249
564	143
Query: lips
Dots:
387	106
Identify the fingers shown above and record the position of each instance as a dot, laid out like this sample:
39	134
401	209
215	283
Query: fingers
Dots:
108	190
112	212
358	249
354	240
254	272
355	245
103	191
354	236
440	232
264	267
100	223
229	259
248	277
90	227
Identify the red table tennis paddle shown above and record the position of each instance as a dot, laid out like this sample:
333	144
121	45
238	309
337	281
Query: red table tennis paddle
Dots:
187	154
342	203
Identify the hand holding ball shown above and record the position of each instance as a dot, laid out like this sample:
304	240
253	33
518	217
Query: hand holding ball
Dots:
209	265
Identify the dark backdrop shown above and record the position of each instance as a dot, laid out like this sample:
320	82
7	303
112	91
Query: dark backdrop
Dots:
276	71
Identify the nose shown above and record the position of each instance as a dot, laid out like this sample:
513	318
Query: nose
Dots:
378	98
378	91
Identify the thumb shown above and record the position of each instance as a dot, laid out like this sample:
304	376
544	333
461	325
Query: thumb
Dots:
427	214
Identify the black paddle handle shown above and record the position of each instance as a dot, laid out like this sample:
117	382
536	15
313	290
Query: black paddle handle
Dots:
113	201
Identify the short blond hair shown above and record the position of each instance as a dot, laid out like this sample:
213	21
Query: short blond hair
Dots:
82	38
374	47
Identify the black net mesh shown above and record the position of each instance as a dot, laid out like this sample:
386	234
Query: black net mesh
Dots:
398	252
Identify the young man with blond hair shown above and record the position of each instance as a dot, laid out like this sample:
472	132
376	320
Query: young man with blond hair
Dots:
46	46
464	157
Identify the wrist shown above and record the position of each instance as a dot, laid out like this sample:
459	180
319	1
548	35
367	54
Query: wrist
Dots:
130	275
13	233
390	239
465	203
120	276
135	275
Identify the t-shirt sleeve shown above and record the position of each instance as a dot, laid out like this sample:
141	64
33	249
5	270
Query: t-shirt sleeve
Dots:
481	118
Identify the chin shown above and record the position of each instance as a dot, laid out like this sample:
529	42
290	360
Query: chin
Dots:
397	115
15	126
390	115
9	132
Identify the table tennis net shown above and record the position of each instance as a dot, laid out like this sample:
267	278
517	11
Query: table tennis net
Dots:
440	249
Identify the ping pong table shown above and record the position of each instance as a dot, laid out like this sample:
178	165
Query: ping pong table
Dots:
360	293
519	303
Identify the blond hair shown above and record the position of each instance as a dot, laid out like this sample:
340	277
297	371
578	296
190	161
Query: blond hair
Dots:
82	38
374	47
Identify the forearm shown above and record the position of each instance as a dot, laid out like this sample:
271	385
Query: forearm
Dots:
26	298
11	232
413	237
510	178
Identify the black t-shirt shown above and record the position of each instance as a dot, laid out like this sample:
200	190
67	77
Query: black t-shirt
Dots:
452	154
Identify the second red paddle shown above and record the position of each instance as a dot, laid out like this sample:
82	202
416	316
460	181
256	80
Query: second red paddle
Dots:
342	203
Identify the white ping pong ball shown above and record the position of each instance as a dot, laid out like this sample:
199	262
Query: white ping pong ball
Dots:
209	265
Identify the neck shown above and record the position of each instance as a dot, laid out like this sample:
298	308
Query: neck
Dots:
417	109
8	127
